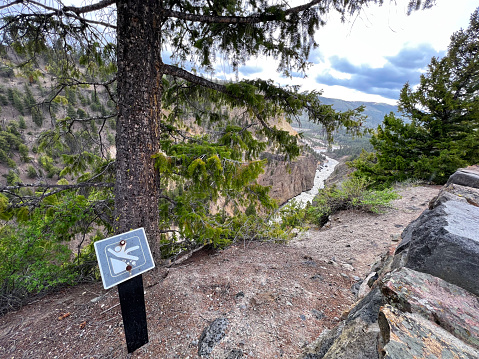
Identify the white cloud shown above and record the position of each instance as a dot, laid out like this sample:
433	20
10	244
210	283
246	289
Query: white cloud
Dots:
379	44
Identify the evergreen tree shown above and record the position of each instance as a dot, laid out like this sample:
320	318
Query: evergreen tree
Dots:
158	164
442	133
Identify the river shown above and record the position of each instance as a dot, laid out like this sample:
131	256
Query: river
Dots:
322	173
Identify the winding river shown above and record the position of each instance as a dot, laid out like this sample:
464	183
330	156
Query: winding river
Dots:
322	173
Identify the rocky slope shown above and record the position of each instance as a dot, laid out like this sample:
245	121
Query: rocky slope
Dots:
422	301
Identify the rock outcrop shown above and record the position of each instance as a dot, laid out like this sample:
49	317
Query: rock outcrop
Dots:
288	179
425	300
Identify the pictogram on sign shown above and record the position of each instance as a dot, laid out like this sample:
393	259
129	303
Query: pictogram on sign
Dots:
123	257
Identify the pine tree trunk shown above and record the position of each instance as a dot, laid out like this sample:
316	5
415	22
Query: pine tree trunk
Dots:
137	186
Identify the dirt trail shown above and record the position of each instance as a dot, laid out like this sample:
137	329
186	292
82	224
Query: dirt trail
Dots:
274	298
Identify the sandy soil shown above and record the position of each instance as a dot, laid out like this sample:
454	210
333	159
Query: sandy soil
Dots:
275	298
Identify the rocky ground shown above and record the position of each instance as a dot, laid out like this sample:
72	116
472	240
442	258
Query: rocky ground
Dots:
264	300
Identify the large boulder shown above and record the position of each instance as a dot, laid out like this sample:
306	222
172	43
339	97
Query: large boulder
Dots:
444	242
452	308
355	338
468	176
410	335
455	192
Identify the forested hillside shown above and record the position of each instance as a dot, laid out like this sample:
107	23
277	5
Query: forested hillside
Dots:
31	106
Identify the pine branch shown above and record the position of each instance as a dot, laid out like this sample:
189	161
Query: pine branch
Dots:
188	76
67	11
61	187
272	13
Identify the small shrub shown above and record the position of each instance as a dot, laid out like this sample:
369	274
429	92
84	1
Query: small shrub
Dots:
37	116
11	163
23	149
353	194
31	172
111	139
81	113
21	123
3	100
12	178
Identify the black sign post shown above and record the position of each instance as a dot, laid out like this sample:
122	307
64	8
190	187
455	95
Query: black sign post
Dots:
133	311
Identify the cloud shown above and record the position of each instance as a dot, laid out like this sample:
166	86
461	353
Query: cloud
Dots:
386	81
250	70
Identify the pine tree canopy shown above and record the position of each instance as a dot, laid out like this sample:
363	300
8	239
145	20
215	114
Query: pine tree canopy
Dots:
440	131
182	140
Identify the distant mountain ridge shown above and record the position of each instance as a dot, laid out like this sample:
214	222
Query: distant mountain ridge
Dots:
374	110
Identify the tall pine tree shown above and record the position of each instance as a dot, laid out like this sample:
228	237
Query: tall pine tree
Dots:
442	131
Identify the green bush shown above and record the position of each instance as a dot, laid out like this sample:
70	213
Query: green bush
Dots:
354	194
3	100
31	172
23	149
15	99
21	123
12	178
37	116
81	113
35	256
71	112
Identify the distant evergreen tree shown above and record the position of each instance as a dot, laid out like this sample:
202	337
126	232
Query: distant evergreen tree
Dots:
37	116
443	134
28	100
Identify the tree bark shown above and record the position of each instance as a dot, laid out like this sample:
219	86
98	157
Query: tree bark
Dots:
137	187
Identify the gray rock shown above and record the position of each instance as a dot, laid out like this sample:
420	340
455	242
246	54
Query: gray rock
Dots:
317	314
358	340
211	336
365	287
456	192
466	177
444	242
355	288
321	345
410	335
367	308
235	354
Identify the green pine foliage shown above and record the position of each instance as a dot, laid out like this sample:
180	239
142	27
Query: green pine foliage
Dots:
443	132
35	255
15	98
207	137
10	141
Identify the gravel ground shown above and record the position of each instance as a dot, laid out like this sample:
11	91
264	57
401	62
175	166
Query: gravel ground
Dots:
265	300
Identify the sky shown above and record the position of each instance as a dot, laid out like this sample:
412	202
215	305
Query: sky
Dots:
372	55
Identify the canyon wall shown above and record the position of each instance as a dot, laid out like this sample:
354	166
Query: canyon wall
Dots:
288	179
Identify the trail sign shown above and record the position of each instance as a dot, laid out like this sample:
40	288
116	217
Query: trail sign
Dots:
123	257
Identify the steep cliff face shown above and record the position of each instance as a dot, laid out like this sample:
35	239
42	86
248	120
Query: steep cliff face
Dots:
288	179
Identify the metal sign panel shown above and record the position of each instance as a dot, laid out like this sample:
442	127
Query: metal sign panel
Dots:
123	257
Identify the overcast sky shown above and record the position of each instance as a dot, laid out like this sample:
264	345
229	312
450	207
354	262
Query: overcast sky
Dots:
374	54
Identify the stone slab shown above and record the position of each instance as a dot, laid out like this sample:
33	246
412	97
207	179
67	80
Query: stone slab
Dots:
444	242
409	335
449	306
